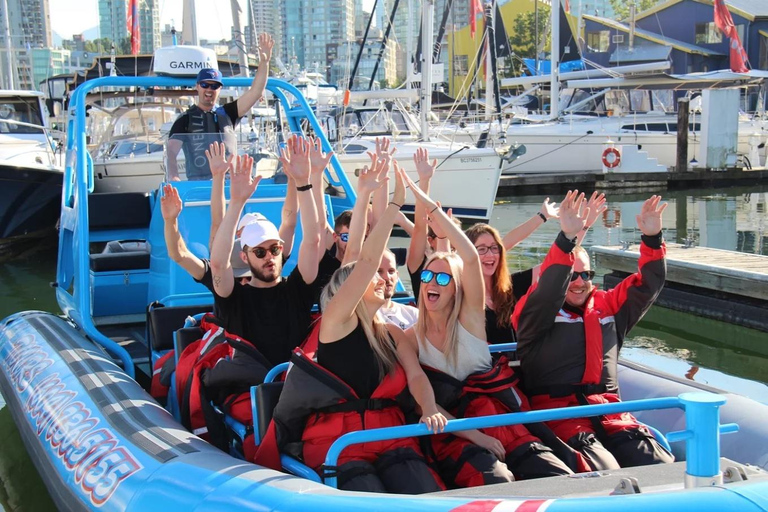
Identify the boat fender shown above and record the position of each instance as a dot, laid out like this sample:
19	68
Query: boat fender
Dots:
611	162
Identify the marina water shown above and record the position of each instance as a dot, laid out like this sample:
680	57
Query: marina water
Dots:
722	355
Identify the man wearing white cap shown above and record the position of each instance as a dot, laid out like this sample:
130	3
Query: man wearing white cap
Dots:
272	311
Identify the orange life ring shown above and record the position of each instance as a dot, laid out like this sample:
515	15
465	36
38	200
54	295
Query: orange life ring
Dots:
610	164
612	218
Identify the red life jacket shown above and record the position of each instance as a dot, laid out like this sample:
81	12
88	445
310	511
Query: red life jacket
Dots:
316	408
162	371
218	368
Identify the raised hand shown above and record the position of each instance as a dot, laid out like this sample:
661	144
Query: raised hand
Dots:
649	220
424	167
549	209
266	43
241	184
573	213
371	179
295	159
318	159
597	206
217	159
170	203
439	233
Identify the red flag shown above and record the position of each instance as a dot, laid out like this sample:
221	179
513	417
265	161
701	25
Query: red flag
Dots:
724	22
475	8
134	29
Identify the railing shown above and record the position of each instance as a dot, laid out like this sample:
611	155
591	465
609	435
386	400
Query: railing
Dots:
702	435
73	290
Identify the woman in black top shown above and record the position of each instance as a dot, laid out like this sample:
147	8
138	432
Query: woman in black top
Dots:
357	347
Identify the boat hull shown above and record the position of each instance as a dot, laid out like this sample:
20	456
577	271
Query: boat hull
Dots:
100	442
30	199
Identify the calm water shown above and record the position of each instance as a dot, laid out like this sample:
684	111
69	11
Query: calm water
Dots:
703	350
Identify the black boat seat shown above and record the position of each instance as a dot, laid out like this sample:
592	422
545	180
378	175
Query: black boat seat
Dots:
119	261
119	210
162	321
267	396
185	337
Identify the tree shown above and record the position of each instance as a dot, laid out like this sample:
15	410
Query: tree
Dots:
621	7
524	29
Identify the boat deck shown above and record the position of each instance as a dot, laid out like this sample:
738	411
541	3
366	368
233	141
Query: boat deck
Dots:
600	483
725	285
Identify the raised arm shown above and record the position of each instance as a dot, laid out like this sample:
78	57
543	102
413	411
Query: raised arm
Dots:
252	95
368	183
241	188
173	146
319	160
418	246
297	166
170	206
472	313
535	313
219	164
288	218
339	315
381	197
547	211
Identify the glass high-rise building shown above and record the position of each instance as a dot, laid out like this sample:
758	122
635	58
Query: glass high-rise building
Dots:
113	22
30	27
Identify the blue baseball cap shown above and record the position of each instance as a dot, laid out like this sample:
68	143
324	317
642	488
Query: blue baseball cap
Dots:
209	75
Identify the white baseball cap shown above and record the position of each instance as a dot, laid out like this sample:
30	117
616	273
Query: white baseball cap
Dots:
249	218
259	232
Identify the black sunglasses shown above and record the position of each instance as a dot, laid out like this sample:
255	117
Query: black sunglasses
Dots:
260	252
585	275
441	278
210	85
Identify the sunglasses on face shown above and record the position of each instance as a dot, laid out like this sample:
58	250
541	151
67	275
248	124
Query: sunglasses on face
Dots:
482	250
344	237
260	252
210	85
586	275
441	278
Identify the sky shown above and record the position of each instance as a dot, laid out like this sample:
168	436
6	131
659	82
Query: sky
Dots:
70	17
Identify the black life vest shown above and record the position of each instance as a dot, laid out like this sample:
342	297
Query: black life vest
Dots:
203	129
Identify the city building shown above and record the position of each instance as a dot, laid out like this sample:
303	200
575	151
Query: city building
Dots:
113	19
30	27
264	17
386	72
48	62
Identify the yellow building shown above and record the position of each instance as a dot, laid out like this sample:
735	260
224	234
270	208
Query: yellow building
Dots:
464	49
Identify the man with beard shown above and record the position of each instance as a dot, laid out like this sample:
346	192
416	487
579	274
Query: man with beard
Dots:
204	124
570	334
401	315
272	311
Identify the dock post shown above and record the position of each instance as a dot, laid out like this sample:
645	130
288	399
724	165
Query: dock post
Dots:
681	163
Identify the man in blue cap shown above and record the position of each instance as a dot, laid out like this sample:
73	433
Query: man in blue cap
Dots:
203	124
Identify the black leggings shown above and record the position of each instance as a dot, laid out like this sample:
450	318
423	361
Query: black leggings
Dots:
401	471
634	447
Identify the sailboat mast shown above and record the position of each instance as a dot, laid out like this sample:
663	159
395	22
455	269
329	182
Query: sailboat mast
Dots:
409	47
242	52
9	70
554	107
489	20
427	24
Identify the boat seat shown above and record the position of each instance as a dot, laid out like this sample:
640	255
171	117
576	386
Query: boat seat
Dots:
184	337
163	321
119	210
265	399
111	262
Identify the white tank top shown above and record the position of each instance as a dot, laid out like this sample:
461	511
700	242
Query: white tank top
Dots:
473	356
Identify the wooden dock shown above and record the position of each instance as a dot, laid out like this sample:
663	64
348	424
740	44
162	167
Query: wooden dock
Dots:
628	181
725	285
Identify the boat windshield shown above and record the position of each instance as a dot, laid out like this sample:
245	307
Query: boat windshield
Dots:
16	110
184	155
374	122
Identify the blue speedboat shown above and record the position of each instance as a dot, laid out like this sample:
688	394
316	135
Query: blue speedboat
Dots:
76	383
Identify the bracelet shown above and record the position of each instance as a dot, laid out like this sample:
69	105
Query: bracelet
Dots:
434	209
441	237
304	188
543	217
584	230
398	205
